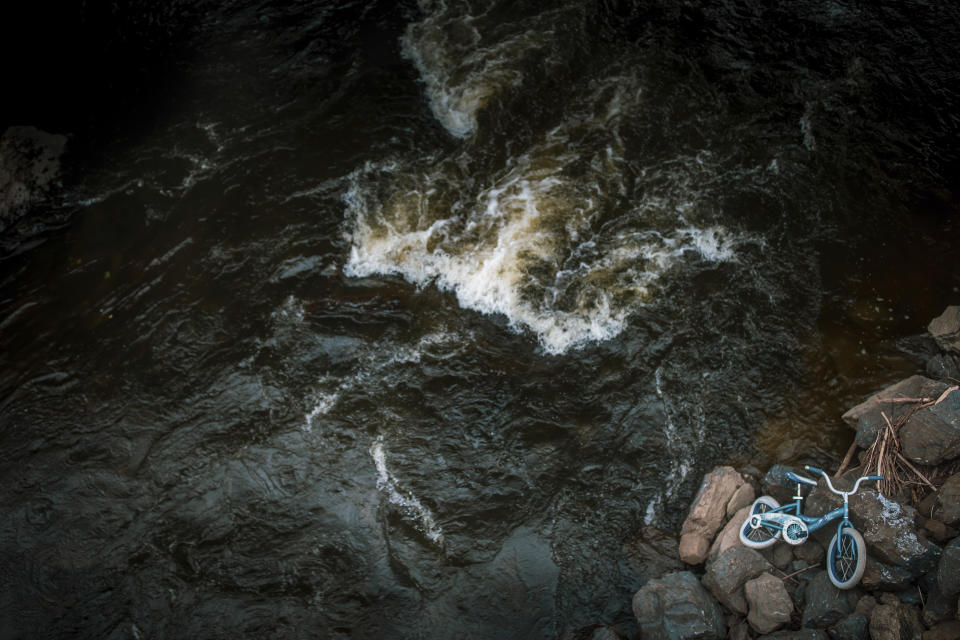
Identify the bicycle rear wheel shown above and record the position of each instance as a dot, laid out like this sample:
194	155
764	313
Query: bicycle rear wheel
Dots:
846	558
760	537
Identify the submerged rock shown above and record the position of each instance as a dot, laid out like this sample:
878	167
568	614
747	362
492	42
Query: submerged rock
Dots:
29	163
677	606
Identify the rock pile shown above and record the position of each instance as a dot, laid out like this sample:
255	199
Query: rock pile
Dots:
714	587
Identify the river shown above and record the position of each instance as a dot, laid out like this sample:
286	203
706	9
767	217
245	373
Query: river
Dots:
398	320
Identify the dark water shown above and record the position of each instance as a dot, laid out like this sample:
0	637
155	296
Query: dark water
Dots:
380	320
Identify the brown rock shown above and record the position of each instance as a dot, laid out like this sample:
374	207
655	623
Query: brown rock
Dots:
770	604
895	622
707	513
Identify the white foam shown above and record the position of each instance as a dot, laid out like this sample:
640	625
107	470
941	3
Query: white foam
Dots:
408	502
460	68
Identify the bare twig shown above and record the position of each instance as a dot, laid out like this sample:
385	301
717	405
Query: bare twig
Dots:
916	471
846	459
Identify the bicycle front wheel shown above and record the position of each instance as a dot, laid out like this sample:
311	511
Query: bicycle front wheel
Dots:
846	558
760	537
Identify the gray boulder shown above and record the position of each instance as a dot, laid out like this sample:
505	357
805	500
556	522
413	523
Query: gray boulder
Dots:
932	435
726	575
29	163
945	329
770	604
897	553
948	569
824	604
677	606
708	513
866	417
895	622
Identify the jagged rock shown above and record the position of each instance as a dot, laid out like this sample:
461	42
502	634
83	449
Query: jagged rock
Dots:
824	605
949	501
652	553
677	606
29	162
932	435
726	576
944	631
897	553
855	626
945	329
707	513
770	604
948	570
742	497
729	535
895	622
878	575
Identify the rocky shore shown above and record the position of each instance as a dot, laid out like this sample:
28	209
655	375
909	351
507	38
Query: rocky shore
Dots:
708	585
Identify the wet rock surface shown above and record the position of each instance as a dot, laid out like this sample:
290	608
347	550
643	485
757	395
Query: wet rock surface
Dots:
29	164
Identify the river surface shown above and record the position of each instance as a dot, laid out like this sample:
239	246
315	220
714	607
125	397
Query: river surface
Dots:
398	320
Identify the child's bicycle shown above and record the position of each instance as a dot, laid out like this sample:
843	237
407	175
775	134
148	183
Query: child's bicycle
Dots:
846	554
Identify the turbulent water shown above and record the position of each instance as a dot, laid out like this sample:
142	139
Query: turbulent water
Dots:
400	320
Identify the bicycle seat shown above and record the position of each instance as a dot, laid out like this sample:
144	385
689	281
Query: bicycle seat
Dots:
801	479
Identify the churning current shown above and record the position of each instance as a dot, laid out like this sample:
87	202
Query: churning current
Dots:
409	320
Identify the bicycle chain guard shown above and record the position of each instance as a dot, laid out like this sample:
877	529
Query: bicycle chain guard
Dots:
795	531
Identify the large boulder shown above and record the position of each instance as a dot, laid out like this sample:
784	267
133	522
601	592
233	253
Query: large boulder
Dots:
726	576
932	434
677	606
29	163
770	604
868	412
707	513
897	553
945	329
824	604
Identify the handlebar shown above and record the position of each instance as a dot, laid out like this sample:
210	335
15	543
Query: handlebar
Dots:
856	485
